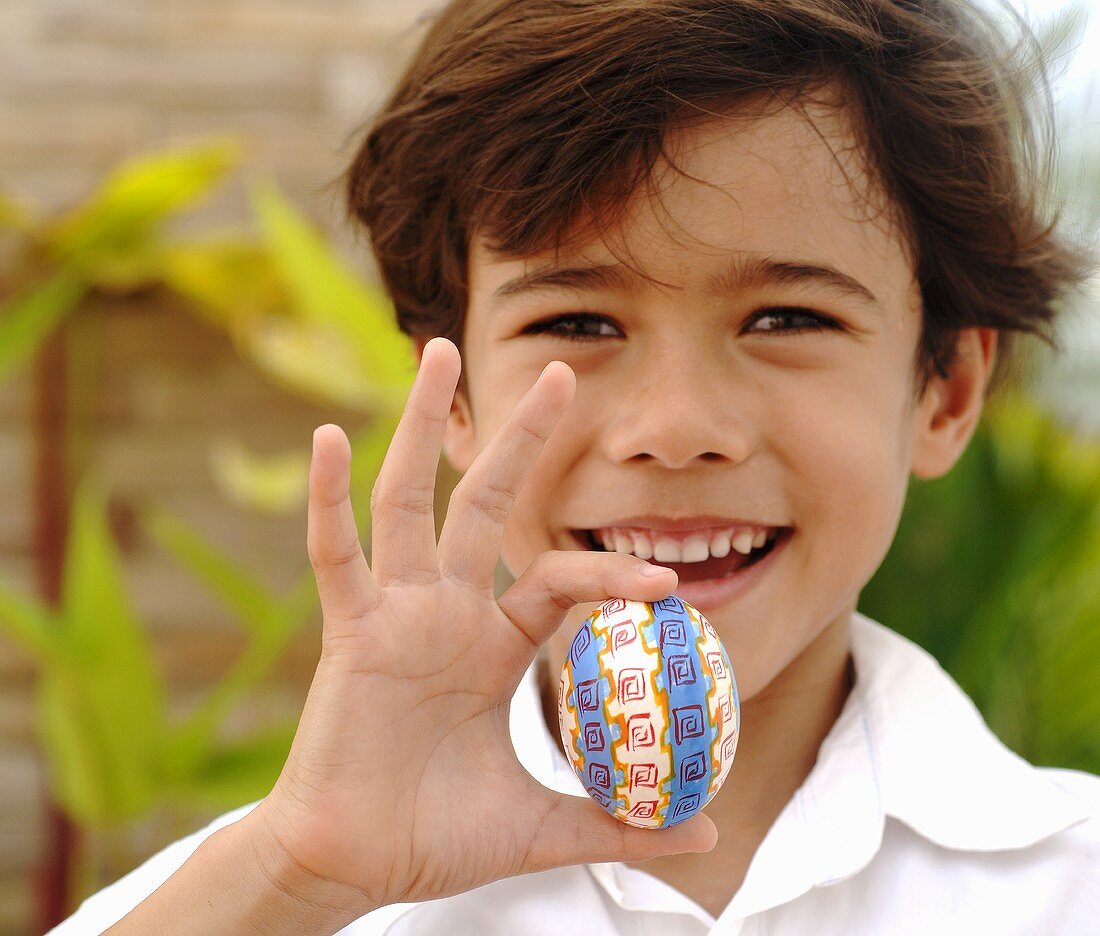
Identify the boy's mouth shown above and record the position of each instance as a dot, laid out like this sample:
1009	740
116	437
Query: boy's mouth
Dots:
712	567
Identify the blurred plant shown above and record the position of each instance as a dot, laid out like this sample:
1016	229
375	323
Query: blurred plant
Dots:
285	298
293	308
102	244
321	332
995	570
101	714
289	304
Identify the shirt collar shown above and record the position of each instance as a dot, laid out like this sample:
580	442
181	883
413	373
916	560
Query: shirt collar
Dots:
942	771
908	744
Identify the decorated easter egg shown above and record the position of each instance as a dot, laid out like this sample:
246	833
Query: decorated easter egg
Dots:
648	710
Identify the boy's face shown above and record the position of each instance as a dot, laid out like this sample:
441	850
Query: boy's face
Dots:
689	402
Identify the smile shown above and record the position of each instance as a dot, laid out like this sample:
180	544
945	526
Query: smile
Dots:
687	557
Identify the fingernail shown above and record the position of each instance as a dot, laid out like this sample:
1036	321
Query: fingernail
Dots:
652	571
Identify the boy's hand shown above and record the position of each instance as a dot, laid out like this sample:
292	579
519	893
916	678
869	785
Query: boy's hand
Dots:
402	783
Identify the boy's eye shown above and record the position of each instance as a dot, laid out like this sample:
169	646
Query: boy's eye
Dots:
585	326
802	319
574	326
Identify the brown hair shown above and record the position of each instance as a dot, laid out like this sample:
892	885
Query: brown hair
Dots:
518	119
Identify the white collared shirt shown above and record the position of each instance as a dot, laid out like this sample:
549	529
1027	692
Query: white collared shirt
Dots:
914	819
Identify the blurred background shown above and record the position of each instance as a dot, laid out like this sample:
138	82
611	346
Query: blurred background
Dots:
181	304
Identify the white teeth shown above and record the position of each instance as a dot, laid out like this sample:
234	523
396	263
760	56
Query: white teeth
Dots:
720	545
742	542
666	550
696	548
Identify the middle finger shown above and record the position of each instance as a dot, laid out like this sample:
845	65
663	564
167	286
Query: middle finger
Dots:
470	541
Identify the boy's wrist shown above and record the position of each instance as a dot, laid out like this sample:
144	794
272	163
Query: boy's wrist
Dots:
240	880
285	896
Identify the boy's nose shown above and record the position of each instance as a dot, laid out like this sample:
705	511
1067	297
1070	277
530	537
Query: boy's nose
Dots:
677	415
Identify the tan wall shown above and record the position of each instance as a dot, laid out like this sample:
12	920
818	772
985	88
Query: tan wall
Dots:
82	85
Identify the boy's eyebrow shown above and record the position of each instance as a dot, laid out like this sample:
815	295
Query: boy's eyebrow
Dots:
743	270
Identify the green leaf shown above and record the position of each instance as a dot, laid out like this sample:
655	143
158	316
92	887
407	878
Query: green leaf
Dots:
230	279
270	619
71	734
190	743
327	294
311	360
32	626
238	771
243	594
27	320
271	484
134	199
121	685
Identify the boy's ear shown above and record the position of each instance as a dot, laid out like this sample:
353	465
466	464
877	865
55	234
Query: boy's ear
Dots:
459	440
948	413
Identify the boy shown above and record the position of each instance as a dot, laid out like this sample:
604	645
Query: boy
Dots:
724	273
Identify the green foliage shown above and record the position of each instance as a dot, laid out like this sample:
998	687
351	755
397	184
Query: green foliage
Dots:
111	241
111	693
109	235
228	278
263	483
296	310
270	620
994	570
328	298
286	299
28	318
114	754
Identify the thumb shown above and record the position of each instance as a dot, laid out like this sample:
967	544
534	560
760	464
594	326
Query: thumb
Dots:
578	831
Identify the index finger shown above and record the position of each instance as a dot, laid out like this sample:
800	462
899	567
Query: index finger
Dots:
403	499
470	541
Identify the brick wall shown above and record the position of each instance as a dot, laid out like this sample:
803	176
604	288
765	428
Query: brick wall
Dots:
83	85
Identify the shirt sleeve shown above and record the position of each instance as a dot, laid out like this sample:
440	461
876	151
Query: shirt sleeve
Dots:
106	907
